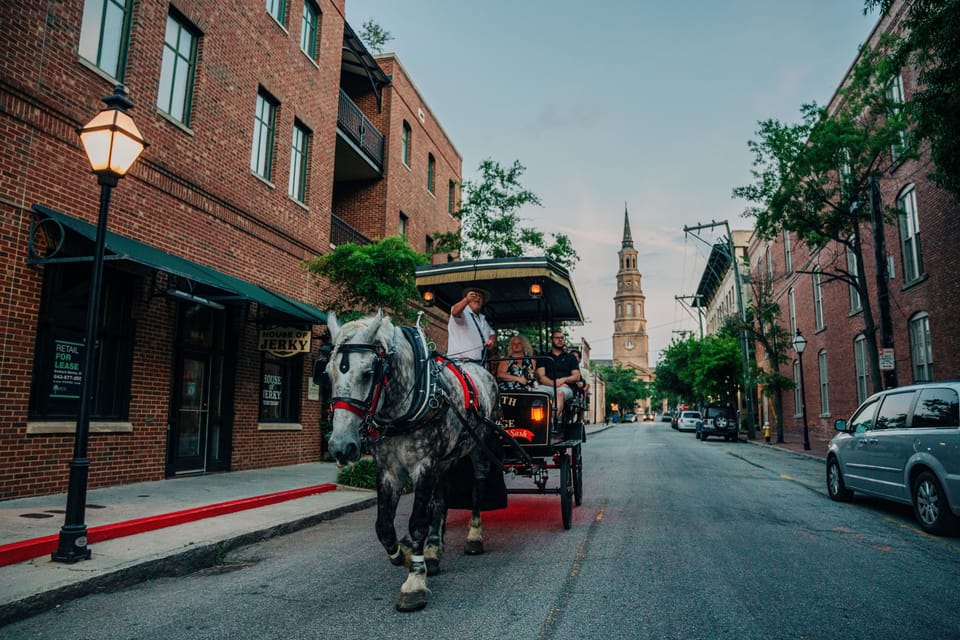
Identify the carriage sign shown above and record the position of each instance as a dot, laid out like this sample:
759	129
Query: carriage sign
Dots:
284	342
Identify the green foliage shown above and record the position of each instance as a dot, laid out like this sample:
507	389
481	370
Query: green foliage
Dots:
932	45
491	223
701	371
370	276
374	36
623	388
362	474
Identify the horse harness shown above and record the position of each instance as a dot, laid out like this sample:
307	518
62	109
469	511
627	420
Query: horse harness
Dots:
428	397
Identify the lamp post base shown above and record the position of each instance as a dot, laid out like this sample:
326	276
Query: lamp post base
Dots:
72	546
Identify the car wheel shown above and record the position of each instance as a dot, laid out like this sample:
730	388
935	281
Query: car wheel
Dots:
930	505
835	487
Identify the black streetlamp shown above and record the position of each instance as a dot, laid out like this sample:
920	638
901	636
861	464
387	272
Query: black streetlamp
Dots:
112	143
799	344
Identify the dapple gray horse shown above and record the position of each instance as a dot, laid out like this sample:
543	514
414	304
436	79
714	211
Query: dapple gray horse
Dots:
420	414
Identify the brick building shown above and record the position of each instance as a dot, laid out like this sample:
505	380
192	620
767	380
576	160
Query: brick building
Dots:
274	134
922	270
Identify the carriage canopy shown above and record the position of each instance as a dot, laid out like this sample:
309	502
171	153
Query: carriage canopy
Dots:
509	282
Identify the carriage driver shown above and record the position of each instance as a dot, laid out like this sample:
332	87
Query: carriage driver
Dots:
469	334
562	369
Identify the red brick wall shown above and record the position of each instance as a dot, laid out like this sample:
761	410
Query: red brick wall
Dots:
191	194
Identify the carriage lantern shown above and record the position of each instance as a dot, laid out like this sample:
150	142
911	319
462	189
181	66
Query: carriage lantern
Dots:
536	290
428	298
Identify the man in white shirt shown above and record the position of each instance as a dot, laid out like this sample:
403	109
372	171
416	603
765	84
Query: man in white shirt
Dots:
469	334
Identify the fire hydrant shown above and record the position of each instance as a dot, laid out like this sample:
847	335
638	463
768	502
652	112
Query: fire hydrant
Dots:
766	432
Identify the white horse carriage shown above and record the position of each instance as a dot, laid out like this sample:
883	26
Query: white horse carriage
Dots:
442	425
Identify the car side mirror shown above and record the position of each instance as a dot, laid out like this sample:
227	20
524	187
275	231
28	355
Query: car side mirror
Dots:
840	424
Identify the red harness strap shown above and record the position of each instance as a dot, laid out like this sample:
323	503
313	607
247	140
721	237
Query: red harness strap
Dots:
470	399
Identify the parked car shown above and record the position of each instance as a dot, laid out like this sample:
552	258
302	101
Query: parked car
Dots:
689	421
666	416
629	417
903	445
719	421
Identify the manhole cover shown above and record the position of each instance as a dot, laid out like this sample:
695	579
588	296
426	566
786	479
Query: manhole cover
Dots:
36	515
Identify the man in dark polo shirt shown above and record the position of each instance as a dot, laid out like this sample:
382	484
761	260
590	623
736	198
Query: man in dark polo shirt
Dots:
562	369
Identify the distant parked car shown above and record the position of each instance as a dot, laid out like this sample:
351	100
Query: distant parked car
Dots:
903	445
689	421
629	417
719	421
648	417
666	416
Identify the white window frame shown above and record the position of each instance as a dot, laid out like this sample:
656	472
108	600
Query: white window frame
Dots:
824	383
264	130
896	95
278	11
792	310
856	304
787	253
818	298
921	349
861	367
910	248
797	398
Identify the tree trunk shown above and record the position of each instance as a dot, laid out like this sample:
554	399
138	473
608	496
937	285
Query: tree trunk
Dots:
869	324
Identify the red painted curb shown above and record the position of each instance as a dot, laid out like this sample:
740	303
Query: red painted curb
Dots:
27	549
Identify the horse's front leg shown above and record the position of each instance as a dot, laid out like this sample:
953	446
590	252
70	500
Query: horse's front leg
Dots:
481	467
413	592
388	495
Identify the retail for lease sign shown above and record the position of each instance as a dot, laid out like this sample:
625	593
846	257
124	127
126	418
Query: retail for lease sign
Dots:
284	342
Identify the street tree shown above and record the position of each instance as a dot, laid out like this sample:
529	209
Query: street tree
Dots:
371	276
701	371
623	387
815	179
932	46
490	222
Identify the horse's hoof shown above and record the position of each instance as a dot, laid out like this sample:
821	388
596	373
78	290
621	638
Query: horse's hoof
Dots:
473	548
433	566
412	601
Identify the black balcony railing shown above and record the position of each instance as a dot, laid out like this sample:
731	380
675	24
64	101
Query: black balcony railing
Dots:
356	125
341	233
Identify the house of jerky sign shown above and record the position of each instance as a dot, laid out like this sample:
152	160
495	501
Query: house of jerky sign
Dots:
284	342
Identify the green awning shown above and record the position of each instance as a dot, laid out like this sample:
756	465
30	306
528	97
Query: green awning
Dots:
122	248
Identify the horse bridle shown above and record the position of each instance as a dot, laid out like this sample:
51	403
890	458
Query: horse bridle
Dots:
364	409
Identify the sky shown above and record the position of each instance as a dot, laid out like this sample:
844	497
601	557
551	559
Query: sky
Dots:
646	105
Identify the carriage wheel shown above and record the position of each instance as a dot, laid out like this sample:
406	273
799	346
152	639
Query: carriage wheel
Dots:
566	507
577	471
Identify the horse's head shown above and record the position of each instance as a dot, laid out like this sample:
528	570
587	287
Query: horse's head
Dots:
356	370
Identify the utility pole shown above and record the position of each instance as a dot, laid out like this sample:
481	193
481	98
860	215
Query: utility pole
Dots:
742	313
696	298
883	285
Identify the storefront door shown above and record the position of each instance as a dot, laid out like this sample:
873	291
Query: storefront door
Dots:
199	441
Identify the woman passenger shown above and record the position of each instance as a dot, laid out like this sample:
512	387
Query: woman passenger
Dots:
516	371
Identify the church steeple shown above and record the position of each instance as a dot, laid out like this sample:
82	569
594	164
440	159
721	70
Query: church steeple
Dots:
630	340
627	238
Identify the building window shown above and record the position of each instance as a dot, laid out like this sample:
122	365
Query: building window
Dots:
818	298
402	226
921	351
824	384
310	29
797	398
297	187
619	310
177	71
629	310
860	364
264	122
451	197
57	373
280	388
104	34
431	171
787	253
428	246
769	265
895	95
278	10
910	236
405	144
792	308
856	304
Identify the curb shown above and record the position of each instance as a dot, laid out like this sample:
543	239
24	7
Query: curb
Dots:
177	564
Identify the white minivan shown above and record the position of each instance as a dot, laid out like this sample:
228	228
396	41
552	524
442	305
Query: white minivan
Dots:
903	444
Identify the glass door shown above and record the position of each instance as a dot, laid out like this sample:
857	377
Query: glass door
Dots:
193	415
